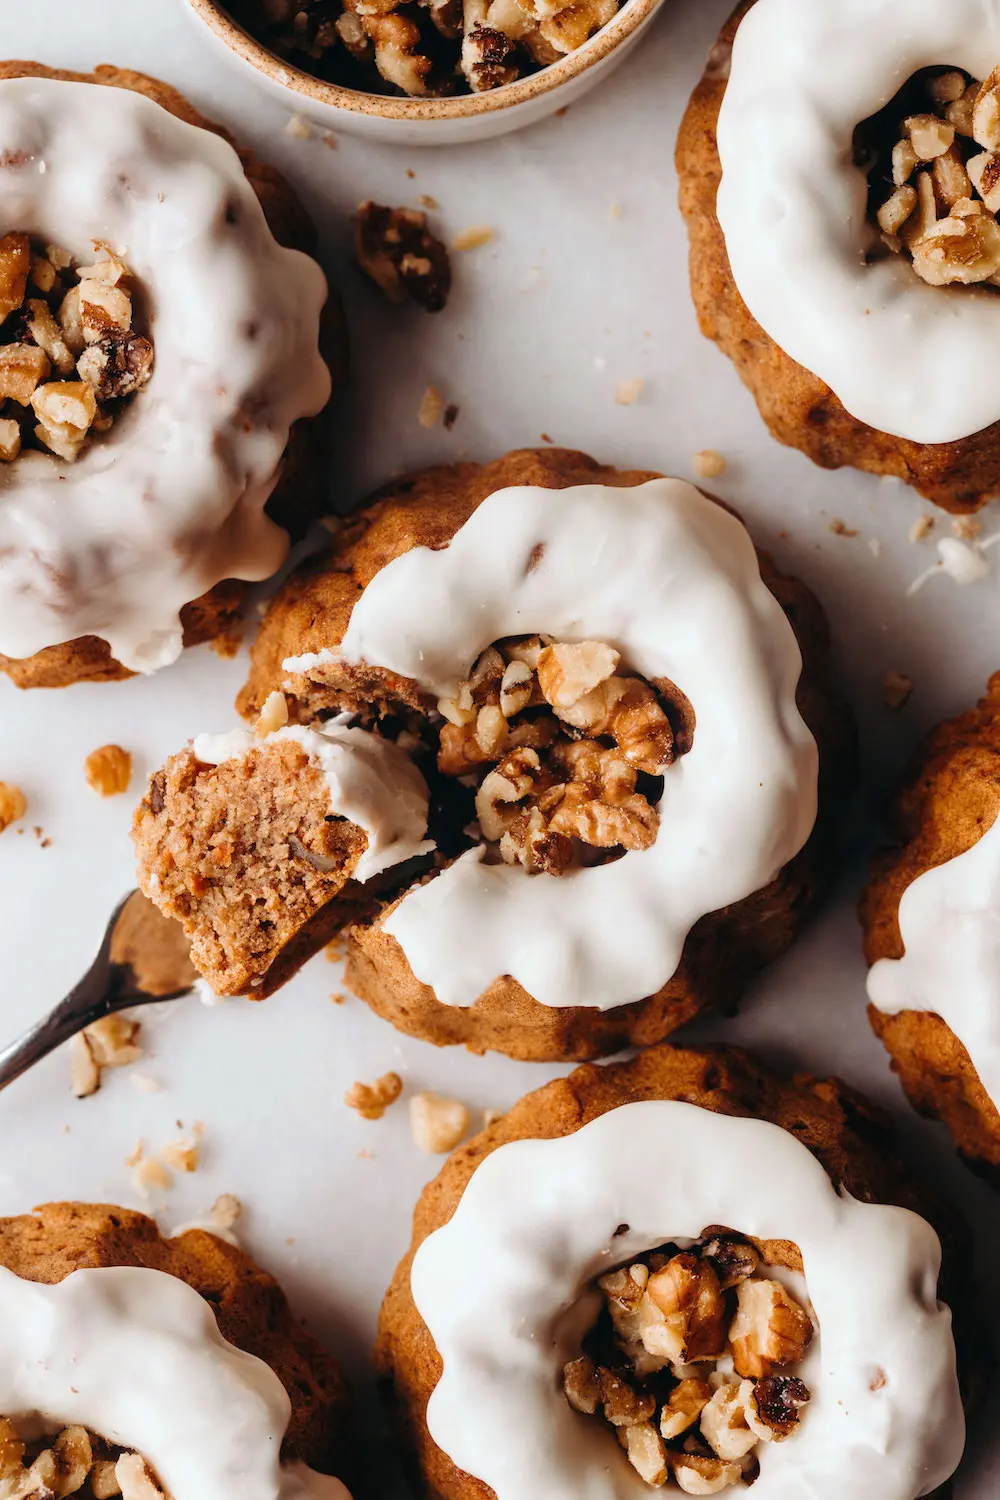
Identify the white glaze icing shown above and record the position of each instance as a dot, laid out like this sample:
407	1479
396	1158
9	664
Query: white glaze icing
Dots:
792	207
371	782
537	1222
136	1356
671	580
171	500
949	920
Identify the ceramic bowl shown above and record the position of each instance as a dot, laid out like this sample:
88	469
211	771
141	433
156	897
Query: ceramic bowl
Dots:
436	122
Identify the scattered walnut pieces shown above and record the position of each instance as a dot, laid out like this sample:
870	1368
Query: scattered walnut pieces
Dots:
690	1363
560	740
372	1100
936	194
437	1123
921	528
13	804
109	770
395	248
74	1461
80	328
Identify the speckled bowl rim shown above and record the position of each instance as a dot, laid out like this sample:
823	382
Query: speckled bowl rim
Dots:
466	106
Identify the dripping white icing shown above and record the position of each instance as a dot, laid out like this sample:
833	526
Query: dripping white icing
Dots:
371	782
137	1356
792	207
172	500
949	920
537	1222
672	581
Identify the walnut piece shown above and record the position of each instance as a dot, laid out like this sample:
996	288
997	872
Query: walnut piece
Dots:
108	770
74	1461
396	250
770	1329
437	1124
15	265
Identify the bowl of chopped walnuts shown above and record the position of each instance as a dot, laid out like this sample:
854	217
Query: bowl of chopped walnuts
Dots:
428	72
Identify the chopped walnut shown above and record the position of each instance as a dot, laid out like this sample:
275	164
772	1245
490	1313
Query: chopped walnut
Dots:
13	804
936	188
71	1462
658	1365
272	717
473	238
437	1124
770	1329
80	328
109	770
395	248
372	1100
560	739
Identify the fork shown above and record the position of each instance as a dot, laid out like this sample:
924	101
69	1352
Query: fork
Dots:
143	960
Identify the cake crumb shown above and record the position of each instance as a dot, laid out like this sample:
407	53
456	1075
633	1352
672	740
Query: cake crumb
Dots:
437	1123
227	644
841	528
921	528
339	999
336	949
896	690
108	770
372	1100
431	408
298	128
708	464
13	804
426	201
473	238
627	392
966	528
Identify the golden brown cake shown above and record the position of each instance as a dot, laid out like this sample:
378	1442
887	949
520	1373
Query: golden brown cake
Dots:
292	502
601	1187
928	914
62	1240
841	419
569	794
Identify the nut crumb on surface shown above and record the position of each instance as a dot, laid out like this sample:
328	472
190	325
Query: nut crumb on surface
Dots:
220	1220
111	1042
401	255
372	1100
431	408
708	464
627	392
437	1123
298	128
921	528
473	238
182	1155
108	770
896	689
13	804
966	528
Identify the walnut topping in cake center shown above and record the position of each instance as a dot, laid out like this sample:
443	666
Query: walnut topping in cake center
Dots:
72	1462
692	1363
69	357
567	751
933	157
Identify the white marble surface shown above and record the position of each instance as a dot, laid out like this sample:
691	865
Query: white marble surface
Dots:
571	297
